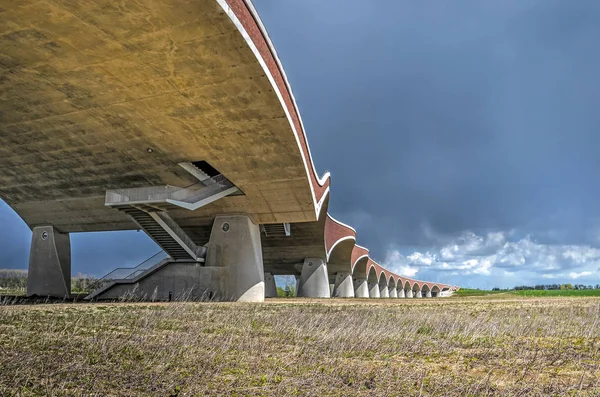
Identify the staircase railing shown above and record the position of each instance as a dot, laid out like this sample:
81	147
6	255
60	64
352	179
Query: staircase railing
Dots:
191	197
124	273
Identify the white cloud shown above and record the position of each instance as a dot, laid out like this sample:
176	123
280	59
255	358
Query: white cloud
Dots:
407	271
399	264
574	275
473	254
420	259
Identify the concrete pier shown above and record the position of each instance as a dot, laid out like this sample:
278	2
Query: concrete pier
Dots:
235	246
361	288
314	281
49	271
374	290
418	294
384	292
428	294
344	287
393	292
409	293
270	286
401	294
297	285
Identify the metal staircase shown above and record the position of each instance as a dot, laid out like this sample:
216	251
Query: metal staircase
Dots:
166	233
148	206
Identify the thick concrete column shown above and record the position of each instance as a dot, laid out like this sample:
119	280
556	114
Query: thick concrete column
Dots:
401	294
393	293
297	285
384	292
235	247
314	281
409	293
428	294
331	288
344	287
418	294
374	290
49	263
270	287
361	288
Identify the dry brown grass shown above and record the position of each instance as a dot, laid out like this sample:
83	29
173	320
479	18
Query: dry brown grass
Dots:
437	347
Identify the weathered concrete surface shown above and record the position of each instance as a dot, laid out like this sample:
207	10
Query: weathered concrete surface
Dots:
270	286
393	292
49	263
428	294
235	246
418	294
361	288
401	293
344	287
409	293
89	87
314	281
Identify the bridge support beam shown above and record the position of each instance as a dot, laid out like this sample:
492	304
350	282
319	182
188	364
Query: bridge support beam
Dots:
409	293
384	292
344	287
428	294
361	288
374	290
49	271
314	281
270	287
401	294
393	293
418	294
234	245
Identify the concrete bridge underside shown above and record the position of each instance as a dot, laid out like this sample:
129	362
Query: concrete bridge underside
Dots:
175	118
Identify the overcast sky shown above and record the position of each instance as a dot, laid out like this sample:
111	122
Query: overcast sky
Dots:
462	136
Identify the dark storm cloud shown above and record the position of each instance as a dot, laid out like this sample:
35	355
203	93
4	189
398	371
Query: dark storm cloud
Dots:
437	117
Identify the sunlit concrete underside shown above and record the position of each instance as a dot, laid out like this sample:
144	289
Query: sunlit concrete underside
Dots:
88	87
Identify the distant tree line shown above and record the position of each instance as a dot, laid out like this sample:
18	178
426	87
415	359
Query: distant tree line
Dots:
552	287
16	280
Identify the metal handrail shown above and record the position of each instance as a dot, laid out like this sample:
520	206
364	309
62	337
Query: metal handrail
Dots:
158	194
123	273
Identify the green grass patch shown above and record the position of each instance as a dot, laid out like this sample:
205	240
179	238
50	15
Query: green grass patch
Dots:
476	292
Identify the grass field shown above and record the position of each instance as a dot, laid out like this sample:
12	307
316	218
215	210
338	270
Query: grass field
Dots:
427	347
464	292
